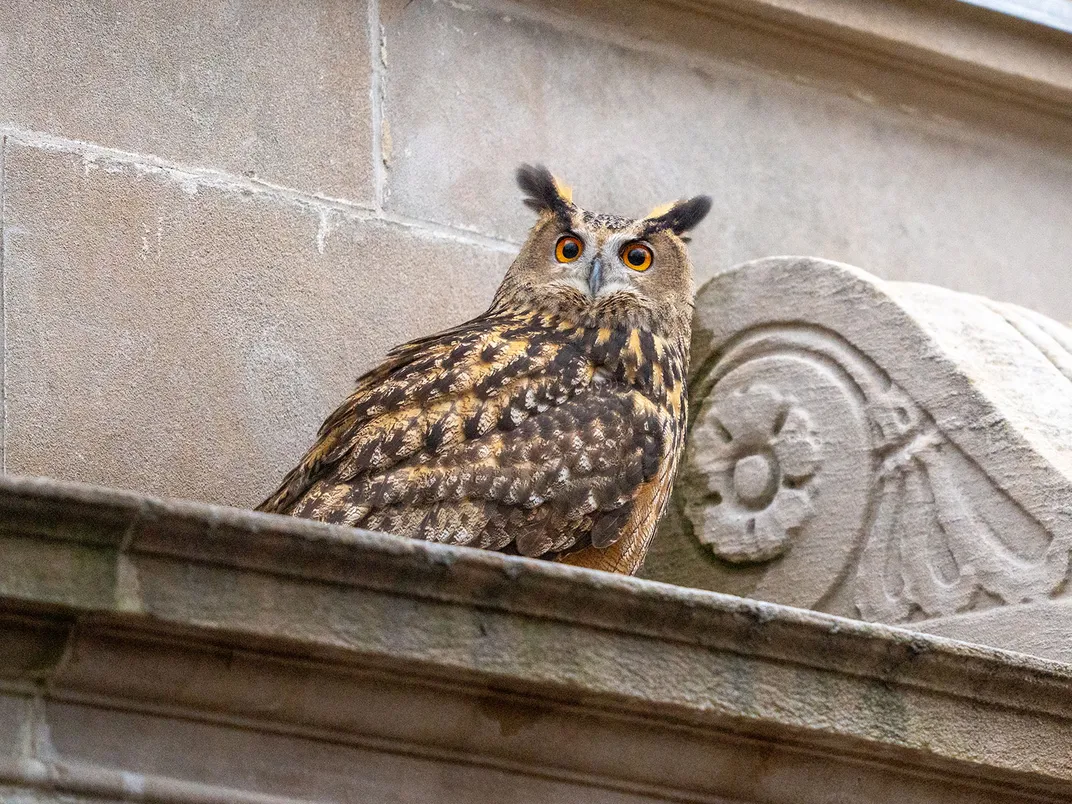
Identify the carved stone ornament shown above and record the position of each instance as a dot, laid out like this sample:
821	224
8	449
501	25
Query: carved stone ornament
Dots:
888	451
754	455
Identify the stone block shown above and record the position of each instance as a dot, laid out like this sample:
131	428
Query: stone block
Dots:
28	565
1040	629
277	90
10	794
793	169
238	763
182	340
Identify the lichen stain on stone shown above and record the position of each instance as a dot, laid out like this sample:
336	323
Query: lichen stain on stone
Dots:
513	716
48	651
902	655
128	596
496	588
91	576
883	708
741	684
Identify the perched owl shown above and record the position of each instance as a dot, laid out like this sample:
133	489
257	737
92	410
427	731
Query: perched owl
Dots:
551	425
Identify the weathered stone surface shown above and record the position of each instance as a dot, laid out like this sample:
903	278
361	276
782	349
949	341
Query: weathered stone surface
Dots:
343	665
14	724
793	169
277	90
1041	629
289	765
184	333
20	795
895	452
175	338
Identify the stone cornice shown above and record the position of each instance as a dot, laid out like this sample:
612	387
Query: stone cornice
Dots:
974	47
89	577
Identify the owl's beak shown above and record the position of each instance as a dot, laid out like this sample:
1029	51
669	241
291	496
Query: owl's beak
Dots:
595	277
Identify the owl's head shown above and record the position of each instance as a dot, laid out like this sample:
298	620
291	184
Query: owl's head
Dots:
602	266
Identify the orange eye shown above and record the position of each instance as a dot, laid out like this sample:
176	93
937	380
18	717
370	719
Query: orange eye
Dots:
637	256
568	248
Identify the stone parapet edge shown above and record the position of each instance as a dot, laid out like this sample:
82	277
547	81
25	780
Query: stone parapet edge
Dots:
135	524
465	592
985	50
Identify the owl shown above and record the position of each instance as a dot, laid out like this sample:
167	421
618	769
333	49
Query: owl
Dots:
550	426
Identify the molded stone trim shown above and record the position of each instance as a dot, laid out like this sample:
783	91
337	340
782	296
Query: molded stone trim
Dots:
125	607
978	48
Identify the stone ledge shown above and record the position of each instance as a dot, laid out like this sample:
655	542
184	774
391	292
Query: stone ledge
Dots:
975	47
127	614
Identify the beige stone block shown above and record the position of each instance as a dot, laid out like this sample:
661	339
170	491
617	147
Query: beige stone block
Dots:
793	169
1038	629
251	655
10	794
257	761
27	566
182	340
277	90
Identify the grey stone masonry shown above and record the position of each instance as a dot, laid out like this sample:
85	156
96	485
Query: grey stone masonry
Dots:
163	651
214	216
276	90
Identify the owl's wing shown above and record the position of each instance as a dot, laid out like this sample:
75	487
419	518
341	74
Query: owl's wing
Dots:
493	436
414	398
627	553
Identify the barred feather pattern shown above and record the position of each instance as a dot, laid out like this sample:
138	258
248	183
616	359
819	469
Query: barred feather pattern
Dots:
520	431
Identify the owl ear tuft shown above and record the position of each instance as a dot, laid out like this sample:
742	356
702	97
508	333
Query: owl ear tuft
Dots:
543	191
680	216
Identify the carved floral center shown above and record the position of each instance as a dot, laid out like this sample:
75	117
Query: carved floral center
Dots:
755	479
750	474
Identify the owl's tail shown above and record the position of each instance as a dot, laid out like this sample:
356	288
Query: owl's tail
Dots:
290	491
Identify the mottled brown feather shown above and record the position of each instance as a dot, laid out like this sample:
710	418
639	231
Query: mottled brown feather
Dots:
496	434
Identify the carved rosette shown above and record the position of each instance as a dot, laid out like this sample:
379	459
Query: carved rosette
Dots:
755	455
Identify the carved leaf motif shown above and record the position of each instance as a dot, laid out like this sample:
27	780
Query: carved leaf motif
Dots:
894	417
945	539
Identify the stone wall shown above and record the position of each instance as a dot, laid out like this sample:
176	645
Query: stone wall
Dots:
215	215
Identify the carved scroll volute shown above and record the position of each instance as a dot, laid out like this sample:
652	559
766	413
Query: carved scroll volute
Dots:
775	475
